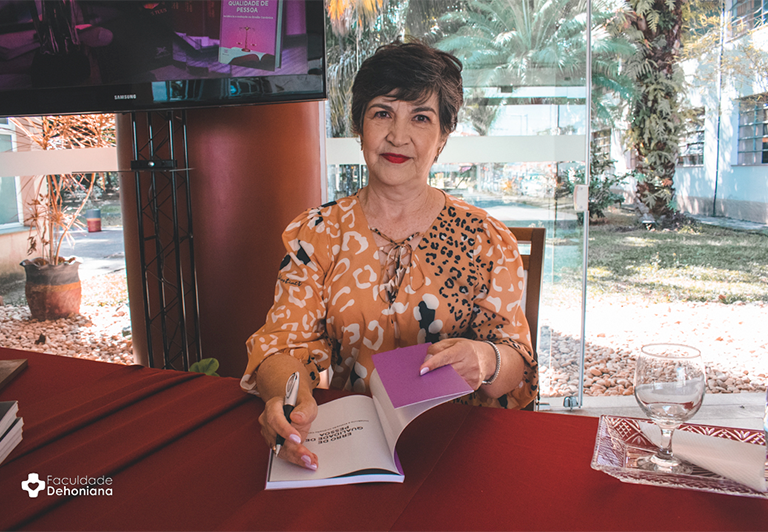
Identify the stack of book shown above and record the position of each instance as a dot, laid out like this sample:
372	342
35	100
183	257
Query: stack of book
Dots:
10	428
10	423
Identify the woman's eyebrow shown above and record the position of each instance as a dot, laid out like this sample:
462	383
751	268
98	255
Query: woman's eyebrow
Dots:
381	106
424	108
420	109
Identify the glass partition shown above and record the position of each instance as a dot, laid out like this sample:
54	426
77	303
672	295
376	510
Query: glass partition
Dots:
520	144
10	197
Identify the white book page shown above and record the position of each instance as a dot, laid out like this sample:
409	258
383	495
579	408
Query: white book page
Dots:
347	437
394	420
8	411
11	438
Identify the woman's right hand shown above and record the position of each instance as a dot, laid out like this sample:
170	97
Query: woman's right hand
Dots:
273	422
271	378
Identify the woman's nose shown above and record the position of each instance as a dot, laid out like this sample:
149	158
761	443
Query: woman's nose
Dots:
398	133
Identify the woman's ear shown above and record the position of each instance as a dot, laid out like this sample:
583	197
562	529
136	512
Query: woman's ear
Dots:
440	149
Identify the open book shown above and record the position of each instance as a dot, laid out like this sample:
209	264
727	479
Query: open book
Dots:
354	437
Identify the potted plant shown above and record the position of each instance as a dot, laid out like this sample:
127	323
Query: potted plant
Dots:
53	287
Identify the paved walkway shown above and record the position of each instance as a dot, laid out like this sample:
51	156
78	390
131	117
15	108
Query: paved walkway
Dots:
731	223
99	253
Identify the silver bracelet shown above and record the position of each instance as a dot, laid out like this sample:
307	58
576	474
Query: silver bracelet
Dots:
498	363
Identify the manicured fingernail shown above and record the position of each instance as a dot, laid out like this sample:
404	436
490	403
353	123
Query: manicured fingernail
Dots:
308	461
423	371
294	438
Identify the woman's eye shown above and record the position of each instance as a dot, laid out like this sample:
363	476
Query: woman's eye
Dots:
381	114
422	118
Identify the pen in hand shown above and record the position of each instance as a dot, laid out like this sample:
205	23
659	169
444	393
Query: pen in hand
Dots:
289	403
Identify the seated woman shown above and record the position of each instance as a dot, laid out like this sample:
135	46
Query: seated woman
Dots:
397	264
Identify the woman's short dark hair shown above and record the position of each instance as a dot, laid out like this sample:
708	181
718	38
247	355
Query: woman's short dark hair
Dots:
411	72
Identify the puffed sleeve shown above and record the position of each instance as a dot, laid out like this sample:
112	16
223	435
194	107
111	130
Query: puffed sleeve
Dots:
296	322
498	312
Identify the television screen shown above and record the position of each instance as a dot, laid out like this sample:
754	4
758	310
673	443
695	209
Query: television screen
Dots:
81	56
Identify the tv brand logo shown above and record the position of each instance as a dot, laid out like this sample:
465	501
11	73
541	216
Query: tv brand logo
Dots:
125	96
33	479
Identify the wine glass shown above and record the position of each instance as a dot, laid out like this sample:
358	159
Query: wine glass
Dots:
670	382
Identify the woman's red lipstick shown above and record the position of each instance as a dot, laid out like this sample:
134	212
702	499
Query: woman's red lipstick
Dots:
395	158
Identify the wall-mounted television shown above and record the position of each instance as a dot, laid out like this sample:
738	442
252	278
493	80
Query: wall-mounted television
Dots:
83	56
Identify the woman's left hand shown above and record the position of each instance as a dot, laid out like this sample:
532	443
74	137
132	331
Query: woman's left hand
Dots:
475	361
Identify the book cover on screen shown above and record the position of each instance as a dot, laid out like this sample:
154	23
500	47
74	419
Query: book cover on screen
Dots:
251	33
354	437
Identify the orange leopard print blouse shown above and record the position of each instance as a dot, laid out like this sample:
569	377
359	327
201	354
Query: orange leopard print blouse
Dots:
332	309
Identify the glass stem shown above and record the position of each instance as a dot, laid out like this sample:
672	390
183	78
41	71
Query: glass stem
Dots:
665	449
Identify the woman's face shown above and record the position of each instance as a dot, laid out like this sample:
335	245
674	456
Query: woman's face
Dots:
401	139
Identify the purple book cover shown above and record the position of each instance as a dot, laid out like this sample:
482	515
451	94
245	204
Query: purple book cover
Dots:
399	373
251	33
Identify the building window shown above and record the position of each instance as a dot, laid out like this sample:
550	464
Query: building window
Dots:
747	15
753	130
692	139
10	200
601	144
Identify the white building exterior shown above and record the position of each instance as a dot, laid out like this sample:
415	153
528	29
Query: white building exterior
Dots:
730	176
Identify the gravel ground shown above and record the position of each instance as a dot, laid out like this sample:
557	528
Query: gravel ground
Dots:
96	334
731	337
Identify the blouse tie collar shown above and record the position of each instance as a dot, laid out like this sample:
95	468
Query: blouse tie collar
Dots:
399	256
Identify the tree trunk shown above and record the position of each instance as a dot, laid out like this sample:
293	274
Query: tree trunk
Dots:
655	121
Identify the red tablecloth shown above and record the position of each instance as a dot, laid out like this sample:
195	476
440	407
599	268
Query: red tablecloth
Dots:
184	452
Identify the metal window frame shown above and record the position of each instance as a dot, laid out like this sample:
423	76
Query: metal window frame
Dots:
751	106
745	17
693	137
601	142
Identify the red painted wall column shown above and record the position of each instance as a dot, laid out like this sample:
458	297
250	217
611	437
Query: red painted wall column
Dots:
255	168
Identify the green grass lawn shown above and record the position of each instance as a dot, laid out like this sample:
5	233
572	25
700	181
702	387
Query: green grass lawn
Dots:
695	263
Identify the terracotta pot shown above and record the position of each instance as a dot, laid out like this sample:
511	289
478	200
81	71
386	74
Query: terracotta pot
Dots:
53	291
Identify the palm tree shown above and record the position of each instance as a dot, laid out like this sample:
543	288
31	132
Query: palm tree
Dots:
357	29
479	112
344	14
539	42
349	42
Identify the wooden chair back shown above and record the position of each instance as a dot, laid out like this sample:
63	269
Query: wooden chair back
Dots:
533	265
